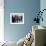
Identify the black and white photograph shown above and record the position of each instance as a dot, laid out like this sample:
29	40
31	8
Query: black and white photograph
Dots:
16	18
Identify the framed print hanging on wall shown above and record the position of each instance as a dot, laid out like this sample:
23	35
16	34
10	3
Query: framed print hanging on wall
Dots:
16	18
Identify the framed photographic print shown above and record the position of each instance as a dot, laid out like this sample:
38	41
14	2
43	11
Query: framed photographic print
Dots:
16	18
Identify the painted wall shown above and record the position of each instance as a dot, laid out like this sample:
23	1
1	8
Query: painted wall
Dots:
29	8
43	6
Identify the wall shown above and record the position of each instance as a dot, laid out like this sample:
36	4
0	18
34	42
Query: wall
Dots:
29	8
43	6
1	20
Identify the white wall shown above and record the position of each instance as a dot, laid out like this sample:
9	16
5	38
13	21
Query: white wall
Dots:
1	21
43	6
